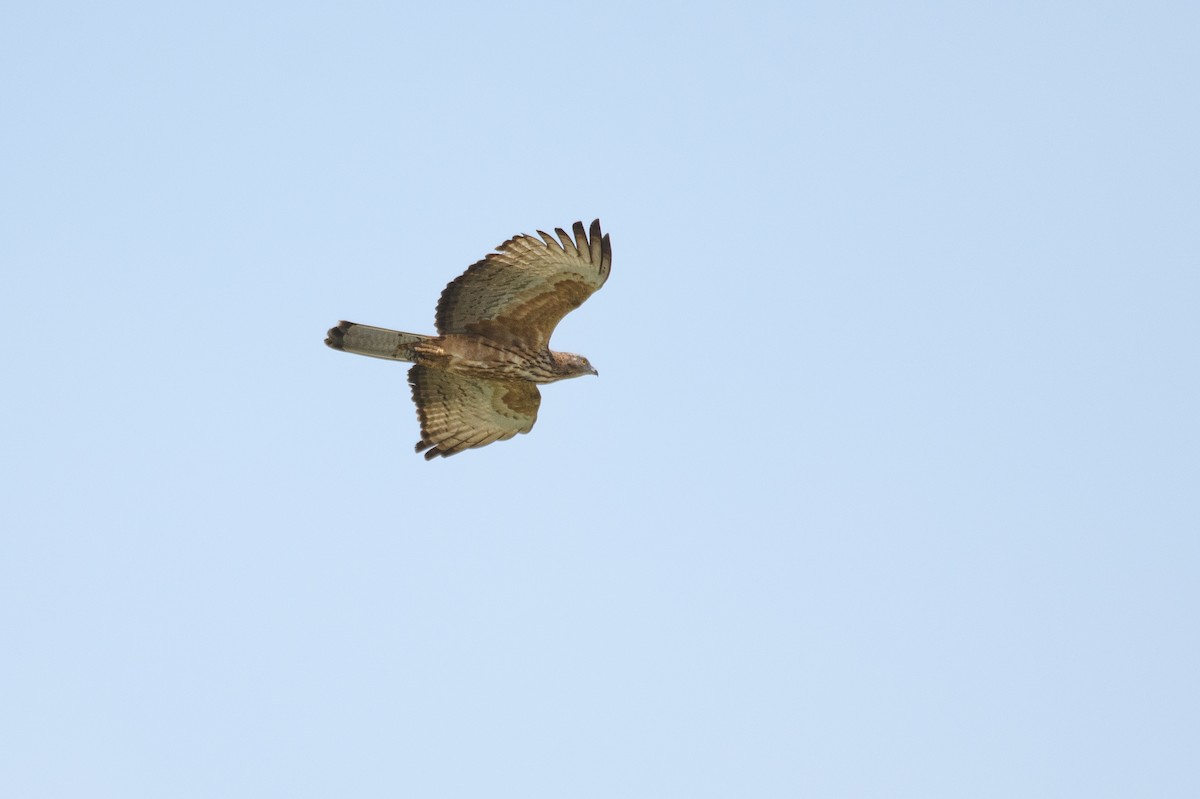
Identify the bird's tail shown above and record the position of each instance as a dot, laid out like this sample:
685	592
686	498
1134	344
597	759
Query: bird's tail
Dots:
376	342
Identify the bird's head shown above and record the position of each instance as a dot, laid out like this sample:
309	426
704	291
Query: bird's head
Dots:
572	365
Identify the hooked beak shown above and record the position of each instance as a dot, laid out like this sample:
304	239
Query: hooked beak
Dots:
597	374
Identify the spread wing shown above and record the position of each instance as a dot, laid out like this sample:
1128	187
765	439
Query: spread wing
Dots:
459	412
525	288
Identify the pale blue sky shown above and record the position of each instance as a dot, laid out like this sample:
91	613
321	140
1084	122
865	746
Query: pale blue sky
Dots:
888	486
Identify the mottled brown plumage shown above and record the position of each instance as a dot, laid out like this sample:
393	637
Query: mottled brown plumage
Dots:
476	381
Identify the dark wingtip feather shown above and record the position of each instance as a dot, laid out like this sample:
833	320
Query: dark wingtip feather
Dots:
595	243
564	238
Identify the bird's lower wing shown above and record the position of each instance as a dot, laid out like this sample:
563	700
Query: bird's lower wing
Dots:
459	412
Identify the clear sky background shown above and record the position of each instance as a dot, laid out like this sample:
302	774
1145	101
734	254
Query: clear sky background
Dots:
887	487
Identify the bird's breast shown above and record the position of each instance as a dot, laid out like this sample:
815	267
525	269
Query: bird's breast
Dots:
482	357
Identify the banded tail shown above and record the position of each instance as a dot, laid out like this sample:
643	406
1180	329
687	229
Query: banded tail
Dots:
377	342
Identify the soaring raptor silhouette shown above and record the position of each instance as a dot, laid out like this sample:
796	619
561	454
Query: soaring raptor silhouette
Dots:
476	381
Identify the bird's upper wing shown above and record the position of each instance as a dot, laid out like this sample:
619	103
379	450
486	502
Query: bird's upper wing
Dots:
459	412
525	288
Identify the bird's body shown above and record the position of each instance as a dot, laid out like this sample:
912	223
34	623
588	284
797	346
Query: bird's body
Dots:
476	382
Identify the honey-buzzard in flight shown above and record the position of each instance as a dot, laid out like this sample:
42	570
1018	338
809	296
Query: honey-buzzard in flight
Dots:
476	382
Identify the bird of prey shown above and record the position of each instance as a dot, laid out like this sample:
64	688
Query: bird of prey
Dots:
476	382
